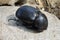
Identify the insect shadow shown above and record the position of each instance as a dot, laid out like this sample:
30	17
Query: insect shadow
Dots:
15	22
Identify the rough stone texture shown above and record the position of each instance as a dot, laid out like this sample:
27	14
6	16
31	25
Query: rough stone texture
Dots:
10	31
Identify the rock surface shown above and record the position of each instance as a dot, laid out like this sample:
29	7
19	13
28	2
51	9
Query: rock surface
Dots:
11	31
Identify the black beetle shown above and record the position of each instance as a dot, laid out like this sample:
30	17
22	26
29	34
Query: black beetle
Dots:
32	17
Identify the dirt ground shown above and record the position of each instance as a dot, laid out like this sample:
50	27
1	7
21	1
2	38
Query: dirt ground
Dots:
9	30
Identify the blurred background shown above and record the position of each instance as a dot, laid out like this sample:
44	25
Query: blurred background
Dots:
51	6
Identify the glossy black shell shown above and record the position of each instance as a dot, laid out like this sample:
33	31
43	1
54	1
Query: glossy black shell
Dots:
32	17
